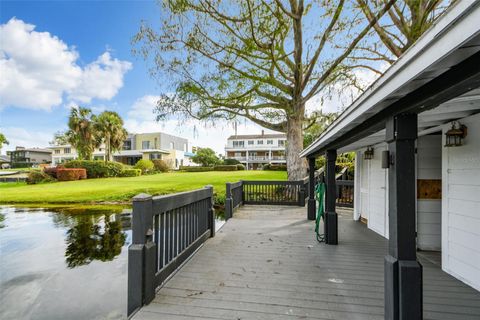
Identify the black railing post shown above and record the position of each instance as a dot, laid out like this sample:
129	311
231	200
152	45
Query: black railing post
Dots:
140	254
228	201
211	213
331	218
311	210
301	195
403	273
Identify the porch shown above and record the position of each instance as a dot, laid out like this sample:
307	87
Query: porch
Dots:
265	263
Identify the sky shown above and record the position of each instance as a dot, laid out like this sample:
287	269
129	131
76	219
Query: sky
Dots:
59	54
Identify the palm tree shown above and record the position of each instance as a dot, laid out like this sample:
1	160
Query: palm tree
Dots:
109	126
81	133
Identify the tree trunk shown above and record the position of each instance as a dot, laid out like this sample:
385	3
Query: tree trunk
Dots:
296	166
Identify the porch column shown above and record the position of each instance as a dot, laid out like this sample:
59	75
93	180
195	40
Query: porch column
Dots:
331	218
403	273
311	209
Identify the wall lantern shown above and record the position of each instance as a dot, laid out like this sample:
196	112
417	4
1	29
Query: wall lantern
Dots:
368	154
455	136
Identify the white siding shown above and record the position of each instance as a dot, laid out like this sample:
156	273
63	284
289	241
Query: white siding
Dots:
461	206
429	212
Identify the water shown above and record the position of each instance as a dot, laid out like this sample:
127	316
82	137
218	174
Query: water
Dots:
59	264
63	263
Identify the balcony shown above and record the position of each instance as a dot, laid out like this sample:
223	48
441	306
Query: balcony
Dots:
259	158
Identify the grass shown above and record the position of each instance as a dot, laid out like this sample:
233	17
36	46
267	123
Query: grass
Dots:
123	189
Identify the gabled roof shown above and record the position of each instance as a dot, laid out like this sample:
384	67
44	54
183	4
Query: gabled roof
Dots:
447	55
257	136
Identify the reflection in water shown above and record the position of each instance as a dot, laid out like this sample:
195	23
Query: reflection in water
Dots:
86	241
51	257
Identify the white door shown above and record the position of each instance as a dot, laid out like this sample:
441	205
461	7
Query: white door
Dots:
364	176
378	211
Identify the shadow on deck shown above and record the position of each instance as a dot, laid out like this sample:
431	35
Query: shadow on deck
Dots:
266	264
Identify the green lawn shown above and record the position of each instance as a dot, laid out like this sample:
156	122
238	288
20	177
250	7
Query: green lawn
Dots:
123	189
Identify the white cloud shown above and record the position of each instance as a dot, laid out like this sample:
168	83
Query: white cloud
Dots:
38	69
141	120
17	136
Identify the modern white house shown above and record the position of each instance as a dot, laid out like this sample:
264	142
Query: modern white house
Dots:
416	134
256	150
156	145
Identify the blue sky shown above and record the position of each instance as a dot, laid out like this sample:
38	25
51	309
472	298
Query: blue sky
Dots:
96	36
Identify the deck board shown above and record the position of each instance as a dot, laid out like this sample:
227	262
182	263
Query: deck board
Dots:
266	264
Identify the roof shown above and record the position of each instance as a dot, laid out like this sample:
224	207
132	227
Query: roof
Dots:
453	41
257	136
41	150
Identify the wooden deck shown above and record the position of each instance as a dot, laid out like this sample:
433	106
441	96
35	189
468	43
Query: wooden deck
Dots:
266	264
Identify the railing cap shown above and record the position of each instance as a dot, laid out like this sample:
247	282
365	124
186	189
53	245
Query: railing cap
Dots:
142	197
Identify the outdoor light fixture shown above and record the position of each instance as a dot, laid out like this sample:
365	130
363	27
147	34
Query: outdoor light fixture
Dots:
368	154
455	136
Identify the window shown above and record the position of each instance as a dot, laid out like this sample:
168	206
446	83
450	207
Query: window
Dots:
281	143
184	148
250	142
67	150
172	145
57	151
259	141
239	144
127	145
269	141
238	154
155	144
145	145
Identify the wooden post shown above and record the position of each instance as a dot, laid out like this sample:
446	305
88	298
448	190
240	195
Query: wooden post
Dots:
331	218
311	210
403	273
211	213
228	201
140	254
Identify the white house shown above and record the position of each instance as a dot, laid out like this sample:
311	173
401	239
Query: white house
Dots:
412	185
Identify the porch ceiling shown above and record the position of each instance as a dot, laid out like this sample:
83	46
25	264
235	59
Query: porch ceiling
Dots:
443	65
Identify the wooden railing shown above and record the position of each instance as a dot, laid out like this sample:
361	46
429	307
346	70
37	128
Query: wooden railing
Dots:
166	230
345	193
263	192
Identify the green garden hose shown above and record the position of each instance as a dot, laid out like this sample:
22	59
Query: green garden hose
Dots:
319	196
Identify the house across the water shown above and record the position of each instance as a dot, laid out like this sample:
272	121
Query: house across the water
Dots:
416	135
156	145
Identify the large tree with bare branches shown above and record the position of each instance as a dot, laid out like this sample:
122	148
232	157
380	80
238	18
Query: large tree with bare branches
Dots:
257	59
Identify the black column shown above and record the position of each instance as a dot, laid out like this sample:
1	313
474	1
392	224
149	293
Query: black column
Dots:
403	273
311	209
331	218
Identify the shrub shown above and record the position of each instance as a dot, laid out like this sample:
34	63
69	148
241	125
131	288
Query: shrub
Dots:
51	171
144	165
161	165
240	166
230	161
97	168
195	169
275	167
35	177
131	173
71	174
226	168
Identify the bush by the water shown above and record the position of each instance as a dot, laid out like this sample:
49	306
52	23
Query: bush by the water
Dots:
232	167
36	176
240	166
71	174
131	172
195	169
97	168
144	165
160	165
230	161
275	167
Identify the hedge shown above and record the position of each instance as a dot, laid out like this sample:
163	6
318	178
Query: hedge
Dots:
275	167
71	174
131	173
52	171
232	167
161	165
97	168
240	166
195	169
230	161
144	165
36	176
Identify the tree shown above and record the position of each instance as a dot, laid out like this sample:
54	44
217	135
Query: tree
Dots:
3	140
60	138
253	59
314	131
206	157
405	22
109	126
81	133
